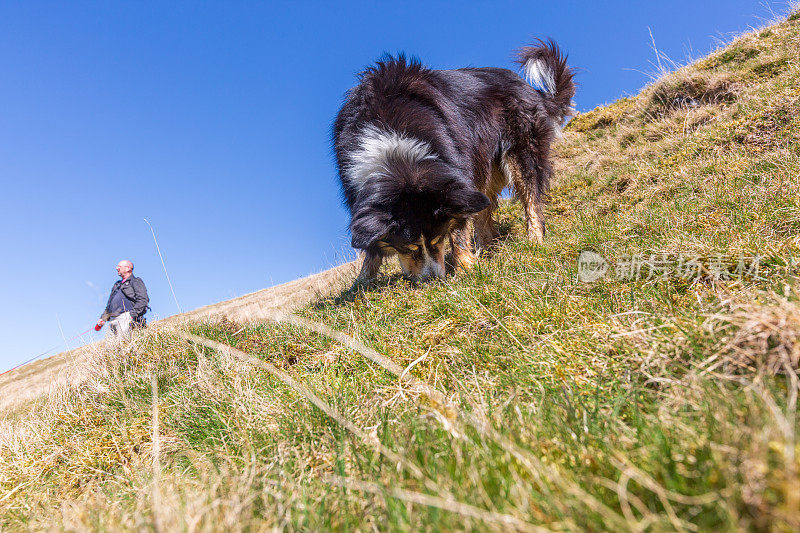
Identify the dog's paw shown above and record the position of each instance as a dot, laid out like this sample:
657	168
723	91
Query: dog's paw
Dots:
465	262
536	234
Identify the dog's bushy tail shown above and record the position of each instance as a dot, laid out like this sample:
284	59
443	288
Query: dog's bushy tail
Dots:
545	68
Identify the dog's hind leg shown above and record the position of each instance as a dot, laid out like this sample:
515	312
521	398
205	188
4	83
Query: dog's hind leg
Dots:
528	183
370	266
461	243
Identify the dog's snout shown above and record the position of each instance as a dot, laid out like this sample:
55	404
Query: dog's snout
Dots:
423	265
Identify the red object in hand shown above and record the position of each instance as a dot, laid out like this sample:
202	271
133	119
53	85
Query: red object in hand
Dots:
97	327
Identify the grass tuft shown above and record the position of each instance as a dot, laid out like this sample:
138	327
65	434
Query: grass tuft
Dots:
689	89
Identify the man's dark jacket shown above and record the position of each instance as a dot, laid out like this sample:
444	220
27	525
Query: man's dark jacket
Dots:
134	290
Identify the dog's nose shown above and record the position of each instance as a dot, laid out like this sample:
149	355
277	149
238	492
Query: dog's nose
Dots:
431	270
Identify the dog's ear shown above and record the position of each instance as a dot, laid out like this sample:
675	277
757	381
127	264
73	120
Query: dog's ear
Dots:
465	202
367	227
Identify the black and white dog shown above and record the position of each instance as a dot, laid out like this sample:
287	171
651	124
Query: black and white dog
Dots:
422	152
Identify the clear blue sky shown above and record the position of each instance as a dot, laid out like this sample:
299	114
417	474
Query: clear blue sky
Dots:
212	120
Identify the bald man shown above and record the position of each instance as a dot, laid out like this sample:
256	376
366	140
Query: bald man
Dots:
127	303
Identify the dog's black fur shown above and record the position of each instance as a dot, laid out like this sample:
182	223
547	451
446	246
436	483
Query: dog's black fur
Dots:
420	152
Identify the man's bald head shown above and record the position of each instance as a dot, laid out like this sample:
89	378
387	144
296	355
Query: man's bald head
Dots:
125	268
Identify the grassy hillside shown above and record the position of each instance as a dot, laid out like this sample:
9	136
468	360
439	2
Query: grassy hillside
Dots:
661	396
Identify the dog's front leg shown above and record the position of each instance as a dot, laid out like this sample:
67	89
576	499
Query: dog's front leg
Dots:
370	266
461	243
486	229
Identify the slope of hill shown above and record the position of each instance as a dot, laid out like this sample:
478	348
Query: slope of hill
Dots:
70	368
652	385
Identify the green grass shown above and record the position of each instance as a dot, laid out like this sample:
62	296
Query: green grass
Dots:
659	403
